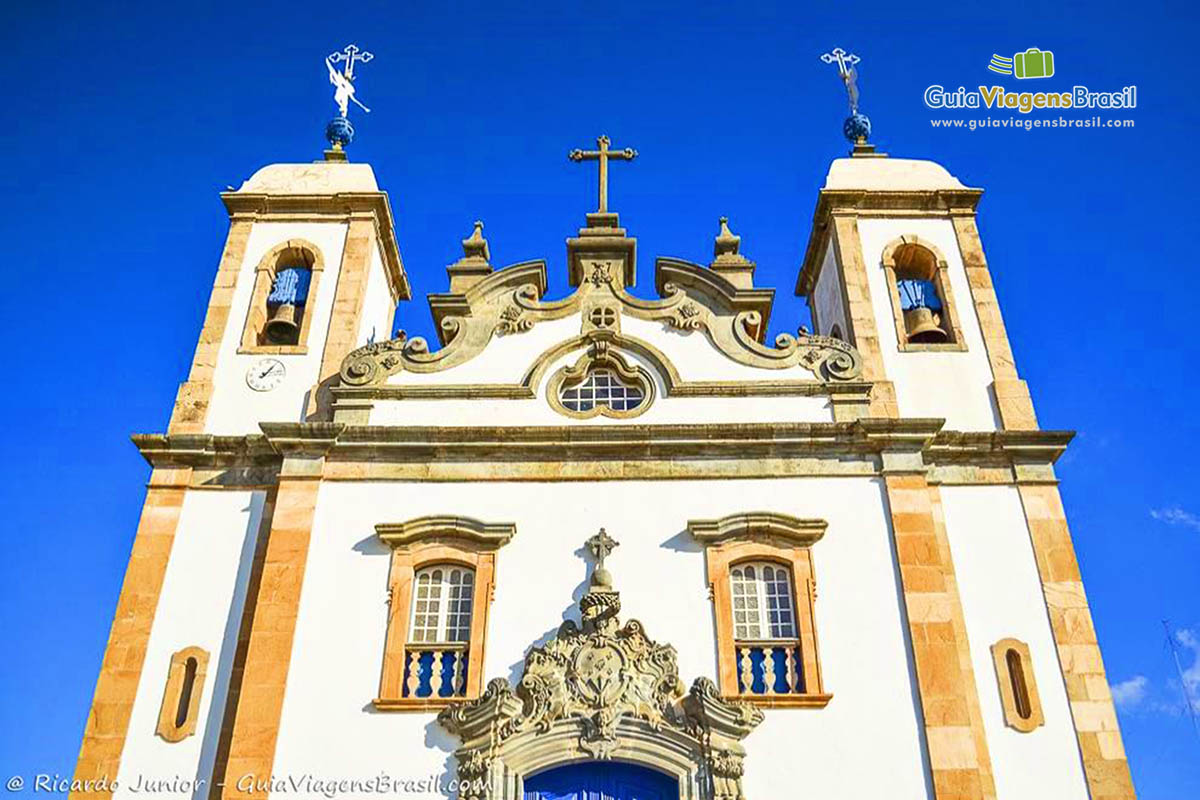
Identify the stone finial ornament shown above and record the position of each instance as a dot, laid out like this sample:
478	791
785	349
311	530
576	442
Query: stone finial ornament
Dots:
475	264
475	246
601	604
725	246
728	262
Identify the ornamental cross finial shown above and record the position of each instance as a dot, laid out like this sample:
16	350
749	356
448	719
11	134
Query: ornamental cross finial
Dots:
603	155
601	546
343	81
845	64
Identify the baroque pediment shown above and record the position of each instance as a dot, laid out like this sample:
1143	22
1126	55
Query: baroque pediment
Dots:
692	299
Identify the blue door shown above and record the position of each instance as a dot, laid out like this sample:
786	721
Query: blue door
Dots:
601	780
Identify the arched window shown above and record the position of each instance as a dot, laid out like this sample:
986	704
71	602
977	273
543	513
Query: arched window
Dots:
768	652
1018	692
762	602
920	288
442	597
439	589
916	269
285	284
438	651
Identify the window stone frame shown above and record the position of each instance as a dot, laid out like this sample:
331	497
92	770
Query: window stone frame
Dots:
784	540
425	542
176	674
1008	702
600	356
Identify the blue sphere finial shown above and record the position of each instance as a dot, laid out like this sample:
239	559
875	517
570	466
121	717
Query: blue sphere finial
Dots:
339	132
857	127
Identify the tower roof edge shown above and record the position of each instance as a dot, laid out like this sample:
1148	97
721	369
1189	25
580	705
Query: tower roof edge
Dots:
889	174
320	177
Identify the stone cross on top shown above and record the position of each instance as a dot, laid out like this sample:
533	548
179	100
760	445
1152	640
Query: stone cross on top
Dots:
601	546
603	155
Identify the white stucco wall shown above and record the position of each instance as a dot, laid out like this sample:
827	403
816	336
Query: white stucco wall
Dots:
868	734
378	308
827	298
200	605
954	385
1002	597
235	407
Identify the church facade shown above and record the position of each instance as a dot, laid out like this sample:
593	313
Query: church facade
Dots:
616	542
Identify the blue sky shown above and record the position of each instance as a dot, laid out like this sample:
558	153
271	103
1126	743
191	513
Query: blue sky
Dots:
122	123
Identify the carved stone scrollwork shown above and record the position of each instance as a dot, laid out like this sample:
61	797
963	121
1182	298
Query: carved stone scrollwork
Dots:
600	691
512	321
369	364
694	298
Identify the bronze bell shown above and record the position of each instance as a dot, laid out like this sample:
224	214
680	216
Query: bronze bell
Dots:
282	327
924	326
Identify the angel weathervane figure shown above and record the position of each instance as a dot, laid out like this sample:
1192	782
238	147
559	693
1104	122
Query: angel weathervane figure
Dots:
339	131
857	126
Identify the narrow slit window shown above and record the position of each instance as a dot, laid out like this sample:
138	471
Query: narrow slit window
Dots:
185	692
180	711
1018	691
1016	674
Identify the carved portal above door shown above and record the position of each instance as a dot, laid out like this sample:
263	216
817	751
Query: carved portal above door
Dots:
598	691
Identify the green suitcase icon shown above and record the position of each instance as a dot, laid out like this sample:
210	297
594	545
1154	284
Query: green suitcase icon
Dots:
1034	63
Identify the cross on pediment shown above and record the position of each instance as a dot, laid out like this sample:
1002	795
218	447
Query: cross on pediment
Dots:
601	545
603	154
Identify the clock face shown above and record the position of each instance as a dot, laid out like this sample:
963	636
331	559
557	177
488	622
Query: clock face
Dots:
265	374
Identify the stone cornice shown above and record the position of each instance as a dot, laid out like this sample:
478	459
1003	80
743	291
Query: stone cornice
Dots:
913	444
863	203
204	450
286	208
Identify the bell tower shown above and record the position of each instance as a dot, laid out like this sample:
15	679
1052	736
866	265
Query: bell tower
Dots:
310	270
895	266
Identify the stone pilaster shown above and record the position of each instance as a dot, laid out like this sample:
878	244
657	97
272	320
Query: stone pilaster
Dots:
1011	393
1092	708
191	402
346	318
860	313
957	746
272	628
121	670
